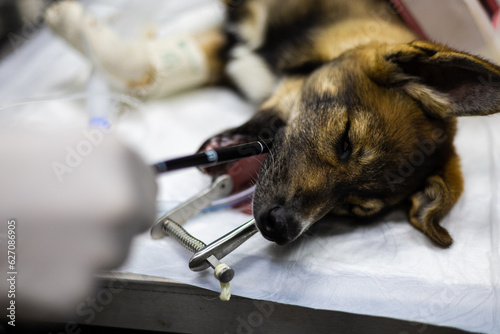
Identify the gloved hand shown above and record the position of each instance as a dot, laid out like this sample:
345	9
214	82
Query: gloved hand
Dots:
77	198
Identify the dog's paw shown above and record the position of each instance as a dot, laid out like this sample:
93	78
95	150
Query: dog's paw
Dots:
64	16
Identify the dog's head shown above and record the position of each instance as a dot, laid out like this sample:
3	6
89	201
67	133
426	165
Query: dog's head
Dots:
369	130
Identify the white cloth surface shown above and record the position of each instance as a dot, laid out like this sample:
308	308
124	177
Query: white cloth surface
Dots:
386	268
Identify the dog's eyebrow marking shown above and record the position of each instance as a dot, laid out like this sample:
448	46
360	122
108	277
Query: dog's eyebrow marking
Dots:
328	87
367	155
366	137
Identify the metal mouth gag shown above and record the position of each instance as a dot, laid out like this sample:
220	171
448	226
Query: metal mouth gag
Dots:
222	246
205	256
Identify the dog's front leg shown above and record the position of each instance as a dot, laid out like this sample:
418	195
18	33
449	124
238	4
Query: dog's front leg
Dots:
147	68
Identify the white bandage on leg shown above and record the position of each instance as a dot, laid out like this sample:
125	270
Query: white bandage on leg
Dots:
145	68
179	64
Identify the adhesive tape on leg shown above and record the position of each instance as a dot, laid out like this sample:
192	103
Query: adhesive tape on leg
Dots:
178	63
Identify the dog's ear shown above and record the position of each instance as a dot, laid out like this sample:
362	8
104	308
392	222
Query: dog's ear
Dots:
431	204
446	83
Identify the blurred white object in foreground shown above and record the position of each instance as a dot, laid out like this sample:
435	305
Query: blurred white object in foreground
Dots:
77	198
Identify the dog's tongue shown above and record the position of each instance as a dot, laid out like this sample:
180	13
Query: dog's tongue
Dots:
243	172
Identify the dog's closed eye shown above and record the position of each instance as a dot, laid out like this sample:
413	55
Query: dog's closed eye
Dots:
345	145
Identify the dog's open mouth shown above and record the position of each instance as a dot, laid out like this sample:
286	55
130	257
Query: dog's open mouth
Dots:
243	172
277	221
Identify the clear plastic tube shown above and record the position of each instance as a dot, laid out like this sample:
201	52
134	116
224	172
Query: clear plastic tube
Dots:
220	204
231	201
122	98
123	113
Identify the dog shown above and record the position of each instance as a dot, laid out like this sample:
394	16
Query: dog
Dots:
362	114
361	123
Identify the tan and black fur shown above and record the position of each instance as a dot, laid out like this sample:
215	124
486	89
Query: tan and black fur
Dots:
362	116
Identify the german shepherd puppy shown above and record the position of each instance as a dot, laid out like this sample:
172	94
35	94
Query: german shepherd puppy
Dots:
362	116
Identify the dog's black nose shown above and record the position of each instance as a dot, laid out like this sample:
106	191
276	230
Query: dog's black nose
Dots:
274	224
